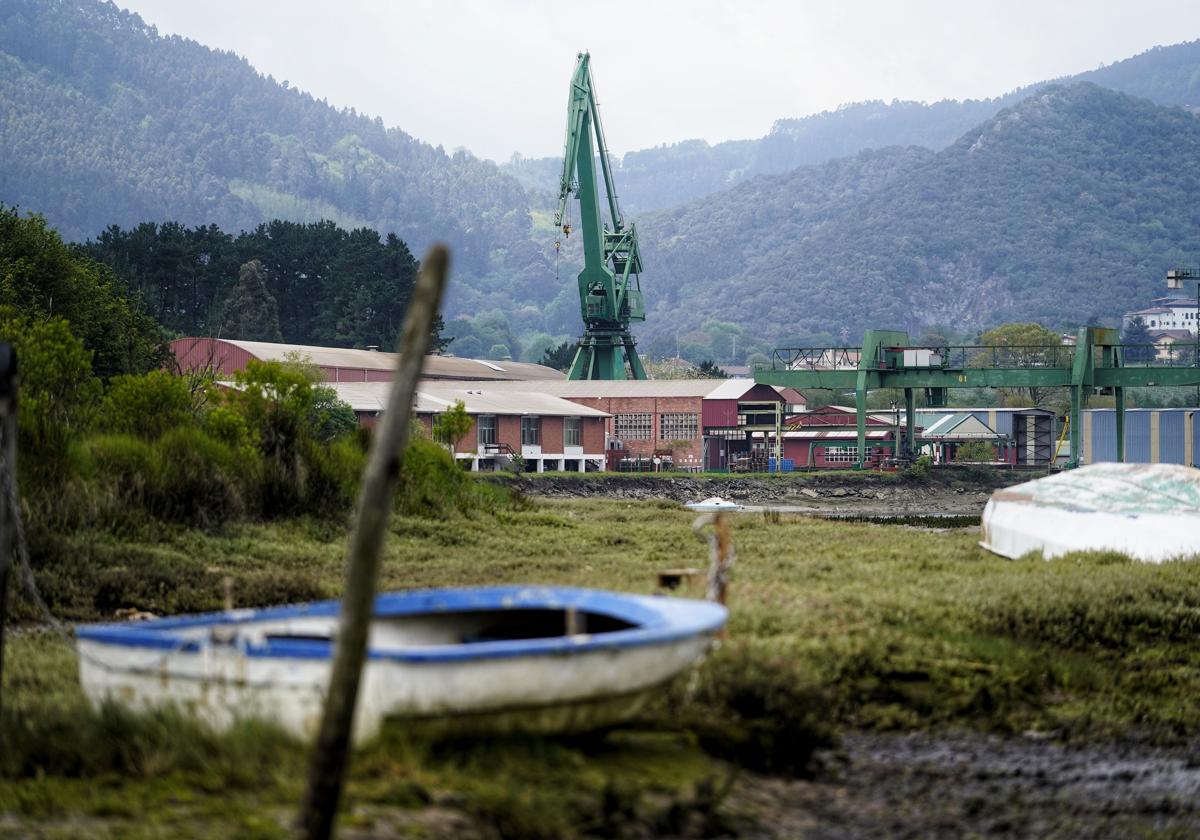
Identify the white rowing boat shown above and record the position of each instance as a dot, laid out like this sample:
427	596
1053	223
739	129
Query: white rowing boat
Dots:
528	658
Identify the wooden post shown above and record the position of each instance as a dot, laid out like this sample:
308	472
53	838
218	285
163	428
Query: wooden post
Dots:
8	477
375	504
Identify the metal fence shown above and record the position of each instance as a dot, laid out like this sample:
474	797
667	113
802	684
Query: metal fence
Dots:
955	357
1155	355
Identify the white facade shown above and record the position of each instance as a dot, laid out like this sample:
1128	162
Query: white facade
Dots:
1166	314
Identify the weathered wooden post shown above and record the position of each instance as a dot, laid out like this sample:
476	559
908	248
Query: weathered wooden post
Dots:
362	570
8	477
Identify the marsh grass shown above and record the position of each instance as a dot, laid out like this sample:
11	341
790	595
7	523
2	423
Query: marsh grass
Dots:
833	625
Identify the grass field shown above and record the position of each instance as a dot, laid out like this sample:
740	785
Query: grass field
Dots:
834	626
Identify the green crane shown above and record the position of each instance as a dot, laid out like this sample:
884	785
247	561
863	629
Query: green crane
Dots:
610	293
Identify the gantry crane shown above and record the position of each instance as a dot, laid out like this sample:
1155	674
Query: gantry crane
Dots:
610	292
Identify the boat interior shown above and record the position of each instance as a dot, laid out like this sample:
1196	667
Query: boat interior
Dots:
427	629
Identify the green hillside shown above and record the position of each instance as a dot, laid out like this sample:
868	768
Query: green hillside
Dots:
103	121
1068	206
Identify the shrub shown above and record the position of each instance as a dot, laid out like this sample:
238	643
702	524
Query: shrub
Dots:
975	451
231	429
329	418
147	405
919	468
58	390
197	480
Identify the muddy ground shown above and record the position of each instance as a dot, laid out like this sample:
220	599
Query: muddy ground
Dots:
942	492
972	785
933	785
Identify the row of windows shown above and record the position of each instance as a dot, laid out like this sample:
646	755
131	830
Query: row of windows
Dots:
671	426
841	455
531	431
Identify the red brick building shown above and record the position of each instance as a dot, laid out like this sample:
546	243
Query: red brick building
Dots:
689	424
828	437
548	433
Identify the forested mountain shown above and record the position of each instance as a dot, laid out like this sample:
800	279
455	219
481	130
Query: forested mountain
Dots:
669	175
1069	205
103	121
1057	204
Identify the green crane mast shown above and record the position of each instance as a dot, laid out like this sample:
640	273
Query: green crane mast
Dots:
610	292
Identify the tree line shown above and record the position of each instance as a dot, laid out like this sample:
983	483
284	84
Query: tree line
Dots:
314	283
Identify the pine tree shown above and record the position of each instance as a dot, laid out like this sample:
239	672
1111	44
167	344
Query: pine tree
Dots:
251	311
1138	335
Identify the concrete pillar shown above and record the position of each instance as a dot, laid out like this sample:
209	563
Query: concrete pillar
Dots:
1074	415
910	422
860	416
1119	393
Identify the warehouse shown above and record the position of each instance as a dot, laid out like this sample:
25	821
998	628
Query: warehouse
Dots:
225	357
1152	435
827	437
690	424
544	432
1028	434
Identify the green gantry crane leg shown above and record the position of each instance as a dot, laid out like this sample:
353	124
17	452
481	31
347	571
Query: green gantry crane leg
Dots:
610	292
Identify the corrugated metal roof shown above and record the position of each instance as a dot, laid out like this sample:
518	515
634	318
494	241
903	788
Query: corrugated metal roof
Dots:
605	389
436	367
836	434
959	426
373	396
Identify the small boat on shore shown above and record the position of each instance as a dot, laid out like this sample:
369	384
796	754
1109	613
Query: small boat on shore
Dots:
713	504
1150	512
542	659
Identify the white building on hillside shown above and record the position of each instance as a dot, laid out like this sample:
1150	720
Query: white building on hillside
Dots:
1166	314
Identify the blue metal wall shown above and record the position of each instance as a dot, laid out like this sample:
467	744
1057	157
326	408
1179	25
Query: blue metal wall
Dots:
1172	431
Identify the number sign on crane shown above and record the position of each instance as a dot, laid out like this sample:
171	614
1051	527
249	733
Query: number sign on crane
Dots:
610	292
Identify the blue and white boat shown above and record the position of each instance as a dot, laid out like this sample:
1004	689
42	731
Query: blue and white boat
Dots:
546	659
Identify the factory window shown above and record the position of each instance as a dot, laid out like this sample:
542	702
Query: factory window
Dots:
841	455
572	432
531	431
678	426
632	426
487	429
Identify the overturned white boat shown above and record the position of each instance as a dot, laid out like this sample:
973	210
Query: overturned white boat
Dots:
1150	512
528	658
713	504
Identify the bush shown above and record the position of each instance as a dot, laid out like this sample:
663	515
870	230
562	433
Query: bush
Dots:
147	405
919	468
58	391
975	451
198	480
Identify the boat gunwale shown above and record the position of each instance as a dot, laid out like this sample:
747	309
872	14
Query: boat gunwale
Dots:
658	620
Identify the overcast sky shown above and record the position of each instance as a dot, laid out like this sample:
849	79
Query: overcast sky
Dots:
492	76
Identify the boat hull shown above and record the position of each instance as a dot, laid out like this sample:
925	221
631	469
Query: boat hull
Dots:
566	684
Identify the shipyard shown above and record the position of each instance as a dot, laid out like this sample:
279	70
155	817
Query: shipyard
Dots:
796	440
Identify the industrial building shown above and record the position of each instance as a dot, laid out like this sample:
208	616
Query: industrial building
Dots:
1152	435
827	437
225	357
1023	436
690	424
548	433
